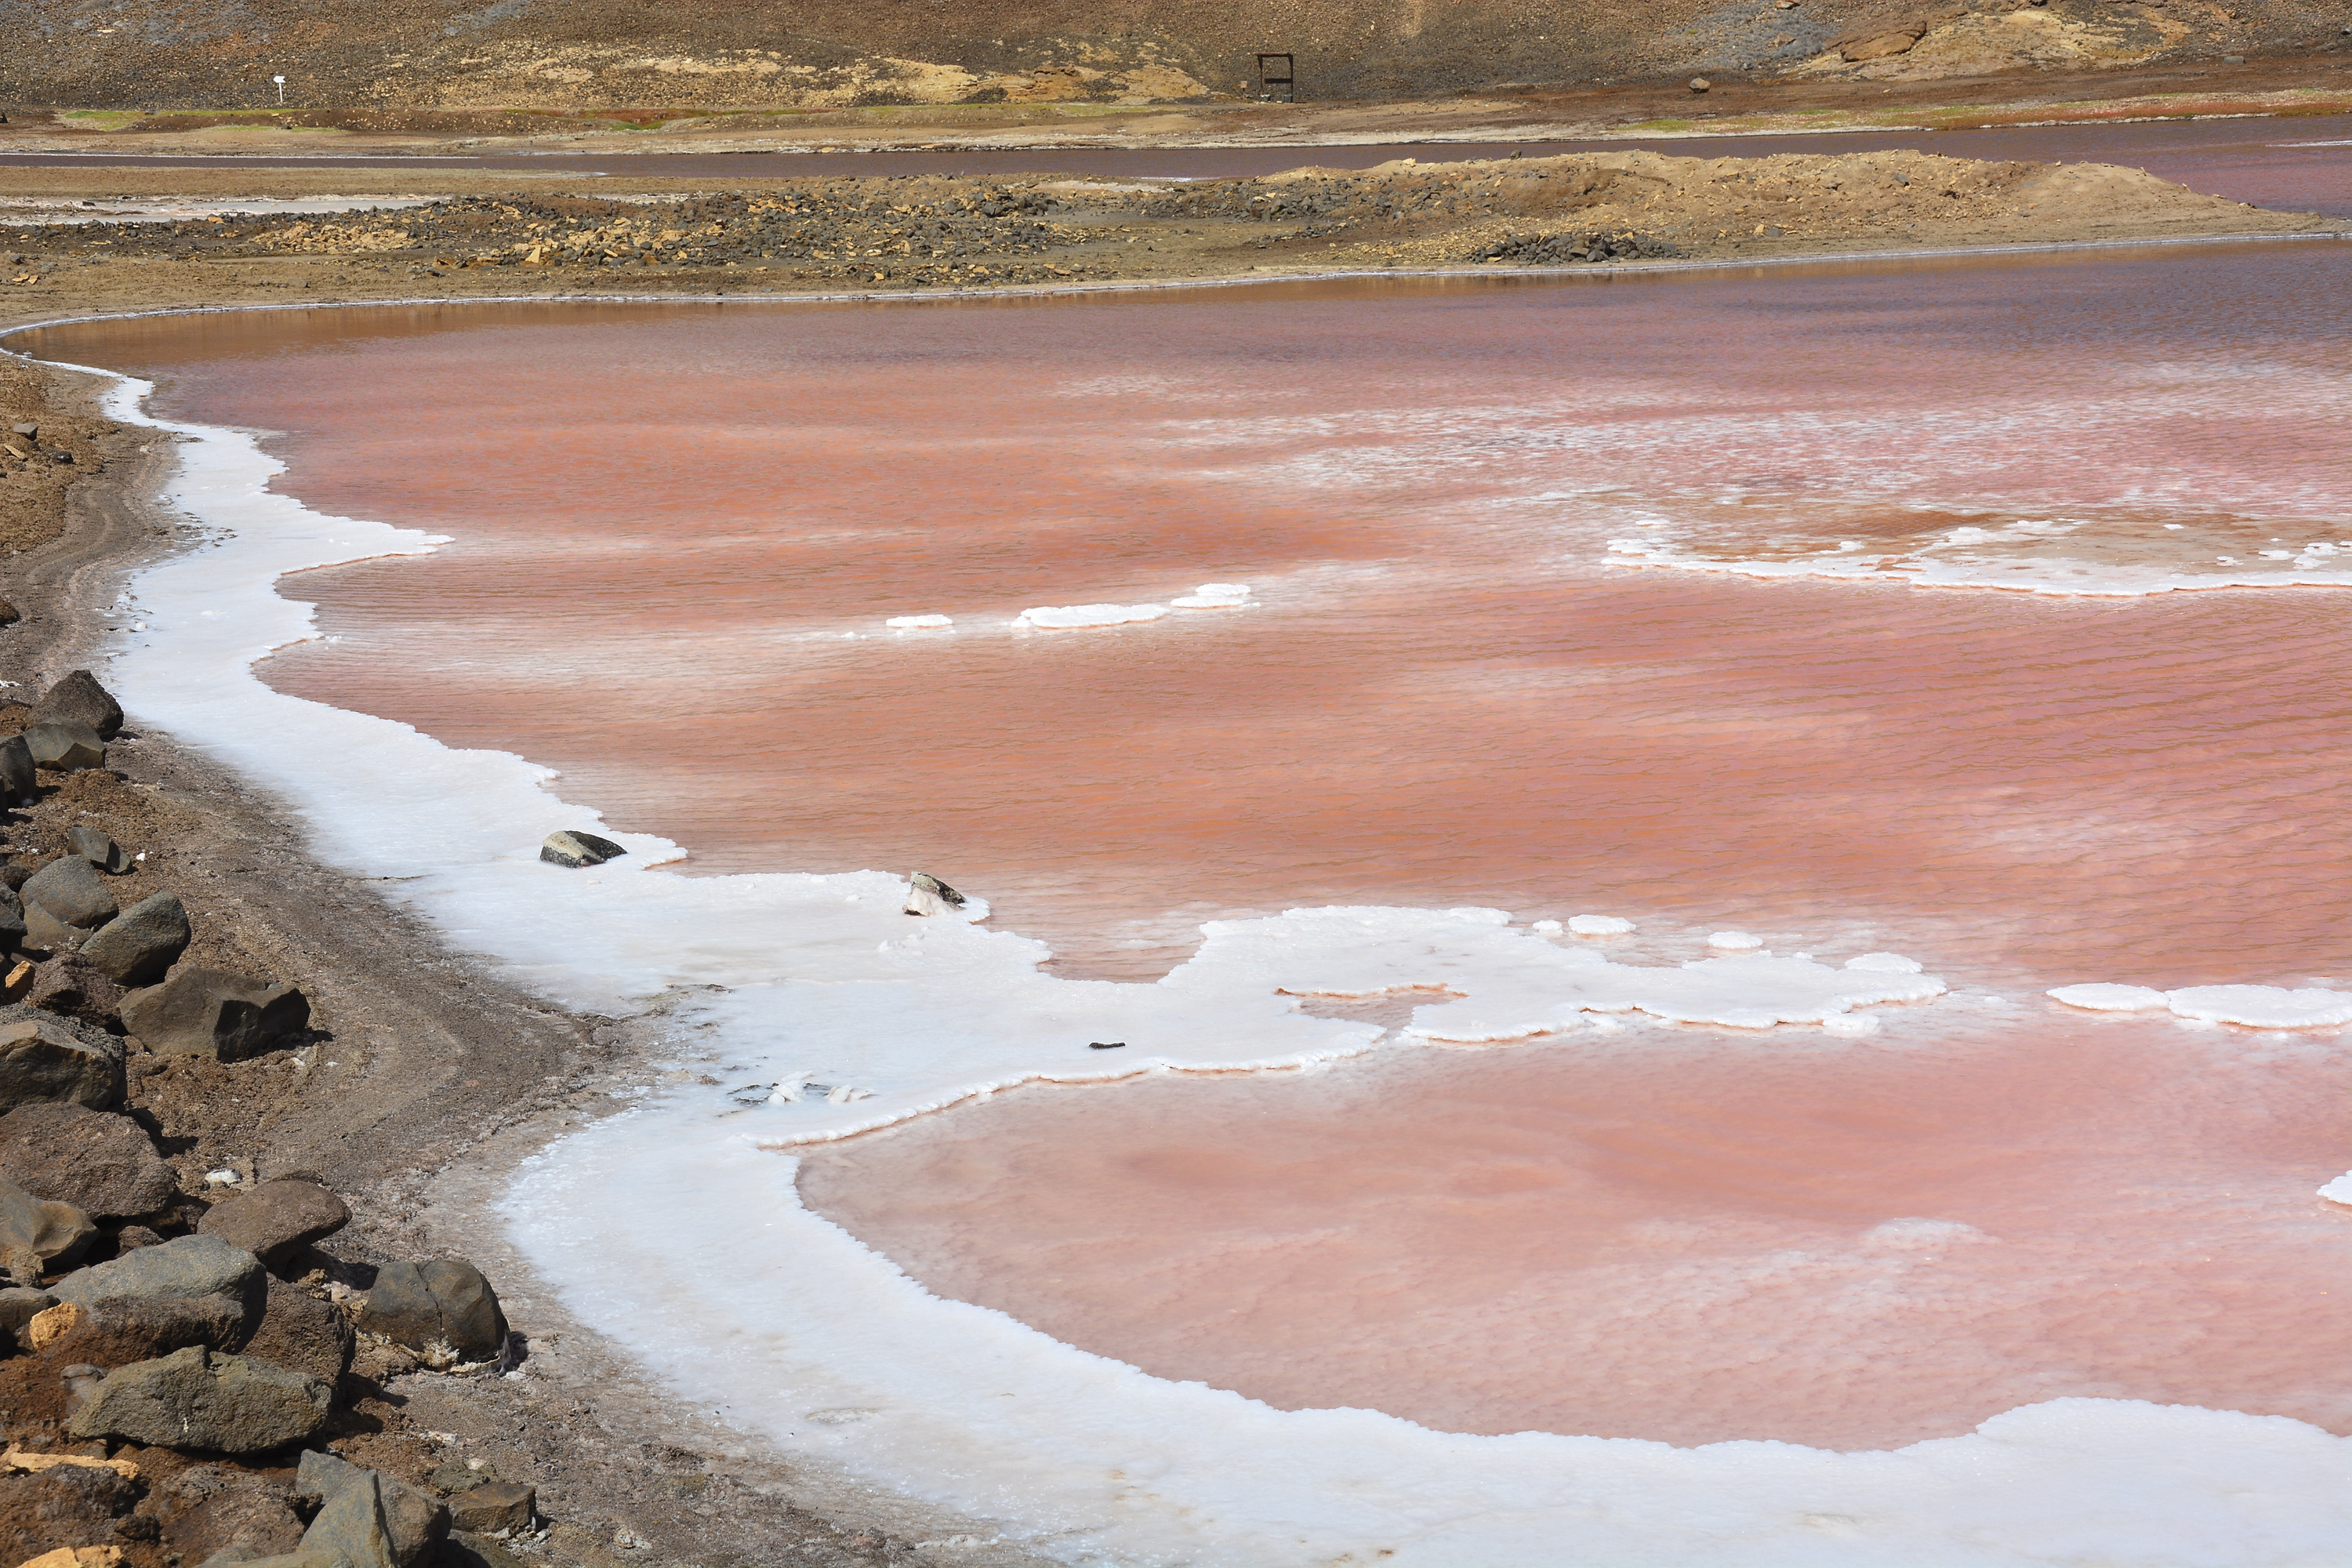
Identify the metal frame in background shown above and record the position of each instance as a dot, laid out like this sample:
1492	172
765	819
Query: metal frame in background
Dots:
1276	71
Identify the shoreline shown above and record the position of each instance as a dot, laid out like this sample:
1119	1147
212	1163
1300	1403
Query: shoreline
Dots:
612	1454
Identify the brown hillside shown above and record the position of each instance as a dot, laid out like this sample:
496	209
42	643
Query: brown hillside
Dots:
181	54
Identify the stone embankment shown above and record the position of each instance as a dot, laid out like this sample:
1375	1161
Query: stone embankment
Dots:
182	1348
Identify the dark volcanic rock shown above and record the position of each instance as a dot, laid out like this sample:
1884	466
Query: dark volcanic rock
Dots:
195	1398
63	746
353	1528
276	1218
212	1012
12	919
444	1302
71	987
80	697
145	940
183	1269
98	849
414	1520
17	783
120	1332
101	1164
575	848
45	1057
76	1505
69	889
300	1331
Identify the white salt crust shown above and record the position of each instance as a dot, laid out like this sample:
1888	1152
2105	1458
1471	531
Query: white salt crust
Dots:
1068	617
677	1230
2254	1006
1214	596
1599	925
2338	1191
919	623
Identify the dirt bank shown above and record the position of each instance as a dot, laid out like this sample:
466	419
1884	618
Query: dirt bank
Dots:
556	238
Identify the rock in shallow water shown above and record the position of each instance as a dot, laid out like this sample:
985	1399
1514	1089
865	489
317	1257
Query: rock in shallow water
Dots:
575	849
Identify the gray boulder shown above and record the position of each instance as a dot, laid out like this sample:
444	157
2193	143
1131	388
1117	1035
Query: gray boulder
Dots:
119	1333
35	1233
181	1268
492	1506
415	1523
19	1304
274	1219
101	1164
17	783
576	848
98	849
69	889
45	935
43	1056
138	946
65	746
353	1529
441	1304
12	919
212	1012
300	1331
197	1398
80	697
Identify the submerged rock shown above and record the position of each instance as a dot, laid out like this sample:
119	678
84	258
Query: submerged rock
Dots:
79	699
575	848
137	946
205	1012
197	1398
65	746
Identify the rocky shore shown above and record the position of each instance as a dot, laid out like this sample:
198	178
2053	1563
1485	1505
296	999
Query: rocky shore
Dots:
251	1118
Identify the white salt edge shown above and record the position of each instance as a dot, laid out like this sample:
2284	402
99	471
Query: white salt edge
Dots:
1883	963
918	623
1070	618
2338	1191
619	1218
1599	925
1735	940
1214	596
2250	1006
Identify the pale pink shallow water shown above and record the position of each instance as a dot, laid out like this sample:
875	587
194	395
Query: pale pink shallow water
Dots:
671	521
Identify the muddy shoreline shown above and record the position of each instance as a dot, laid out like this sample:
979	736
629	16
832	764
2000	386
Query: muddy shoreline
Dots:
450	1077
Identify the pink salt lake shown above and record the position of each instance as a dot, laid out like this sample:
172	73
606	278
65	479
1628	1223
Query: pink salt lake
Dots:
679	529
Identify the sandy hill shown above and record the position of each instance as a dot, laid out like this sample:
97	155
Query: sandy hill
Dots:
570	54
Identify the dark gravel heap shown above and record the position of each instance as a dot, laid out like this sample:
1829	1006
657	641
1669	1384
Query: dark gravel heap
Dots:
1569	250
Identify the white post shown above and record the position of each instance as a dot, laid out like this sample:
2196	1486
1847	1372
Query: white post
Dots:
281	90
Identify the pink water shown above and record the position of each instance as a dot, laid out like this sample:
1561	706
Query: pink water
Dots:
678	531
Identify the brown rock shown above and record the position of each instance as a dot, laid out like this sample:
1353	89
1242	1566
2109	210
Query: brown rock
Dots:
45	1057
101	1164
71	987
491	1507
210	1012
300	1331
120	1334
36	1236
63	746
277	1219
80	697
76	1504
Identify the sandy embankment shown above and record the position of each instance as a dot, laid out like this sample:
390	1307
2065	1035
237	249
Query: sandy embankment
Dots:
446	1076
